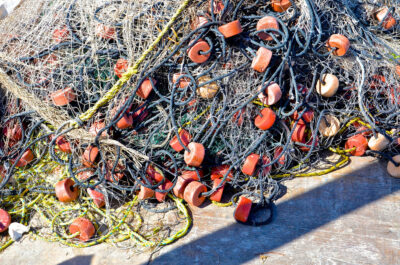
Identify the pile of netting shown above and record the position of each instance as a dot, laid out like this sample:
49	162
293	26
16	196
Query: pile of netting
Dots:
117	115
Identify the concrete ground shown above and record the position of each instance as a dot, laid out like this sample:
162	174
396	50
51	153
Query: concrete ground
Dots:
351	216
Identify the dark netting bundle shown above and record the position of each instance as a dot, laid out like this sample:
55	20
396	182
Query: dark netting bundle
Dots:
116	115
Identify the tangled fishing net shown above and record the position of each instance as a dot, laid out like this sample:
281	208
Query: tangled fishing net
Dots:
117	115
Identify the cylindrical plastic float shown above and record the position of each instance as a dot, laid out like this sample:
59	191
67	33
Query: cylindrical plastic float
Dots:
231	29
5	220
196	155
84	227
193	191
65	190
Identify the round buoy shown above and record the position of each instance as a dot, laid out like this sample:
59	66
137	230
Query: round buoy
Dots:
250	163
231	29
65	190
196	155
267	22
84	227
5	220
193	191
340	42
266	120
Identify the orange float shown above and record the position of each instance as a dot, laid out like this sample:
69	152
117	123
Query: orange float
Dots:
220	171
125	122
388	22
364	130
84	227
217	195
184	179
267	22
377	81
266	119
307	117
65	190
262	60
181	184
26	158
309	143
118	172
141	113
160	196
50	60
194	52
392	96
105	32
5	220
243	209
146	88
238	117
340	42
89	156
12	131
273	94
96	127
231	29
198	22
153	174
250	164
278	151
196	155
63	145
145	193
192	174
265	160
299	133
97	197
184	137
183	82
63	97
121	67
192	194
398	70
218	6
60	35
280	5
84	175
359	142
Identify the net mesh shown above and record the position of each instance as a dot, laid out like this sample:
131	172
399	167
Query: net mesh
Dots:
104	93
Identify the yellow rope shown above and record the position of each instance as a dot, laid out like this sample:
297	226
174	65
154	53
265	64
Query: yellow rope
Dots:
195	118
219	204
322	172
258	102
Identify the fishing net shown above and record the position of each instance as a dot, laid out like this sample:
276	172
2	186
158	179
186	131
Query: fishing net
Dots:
116	113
